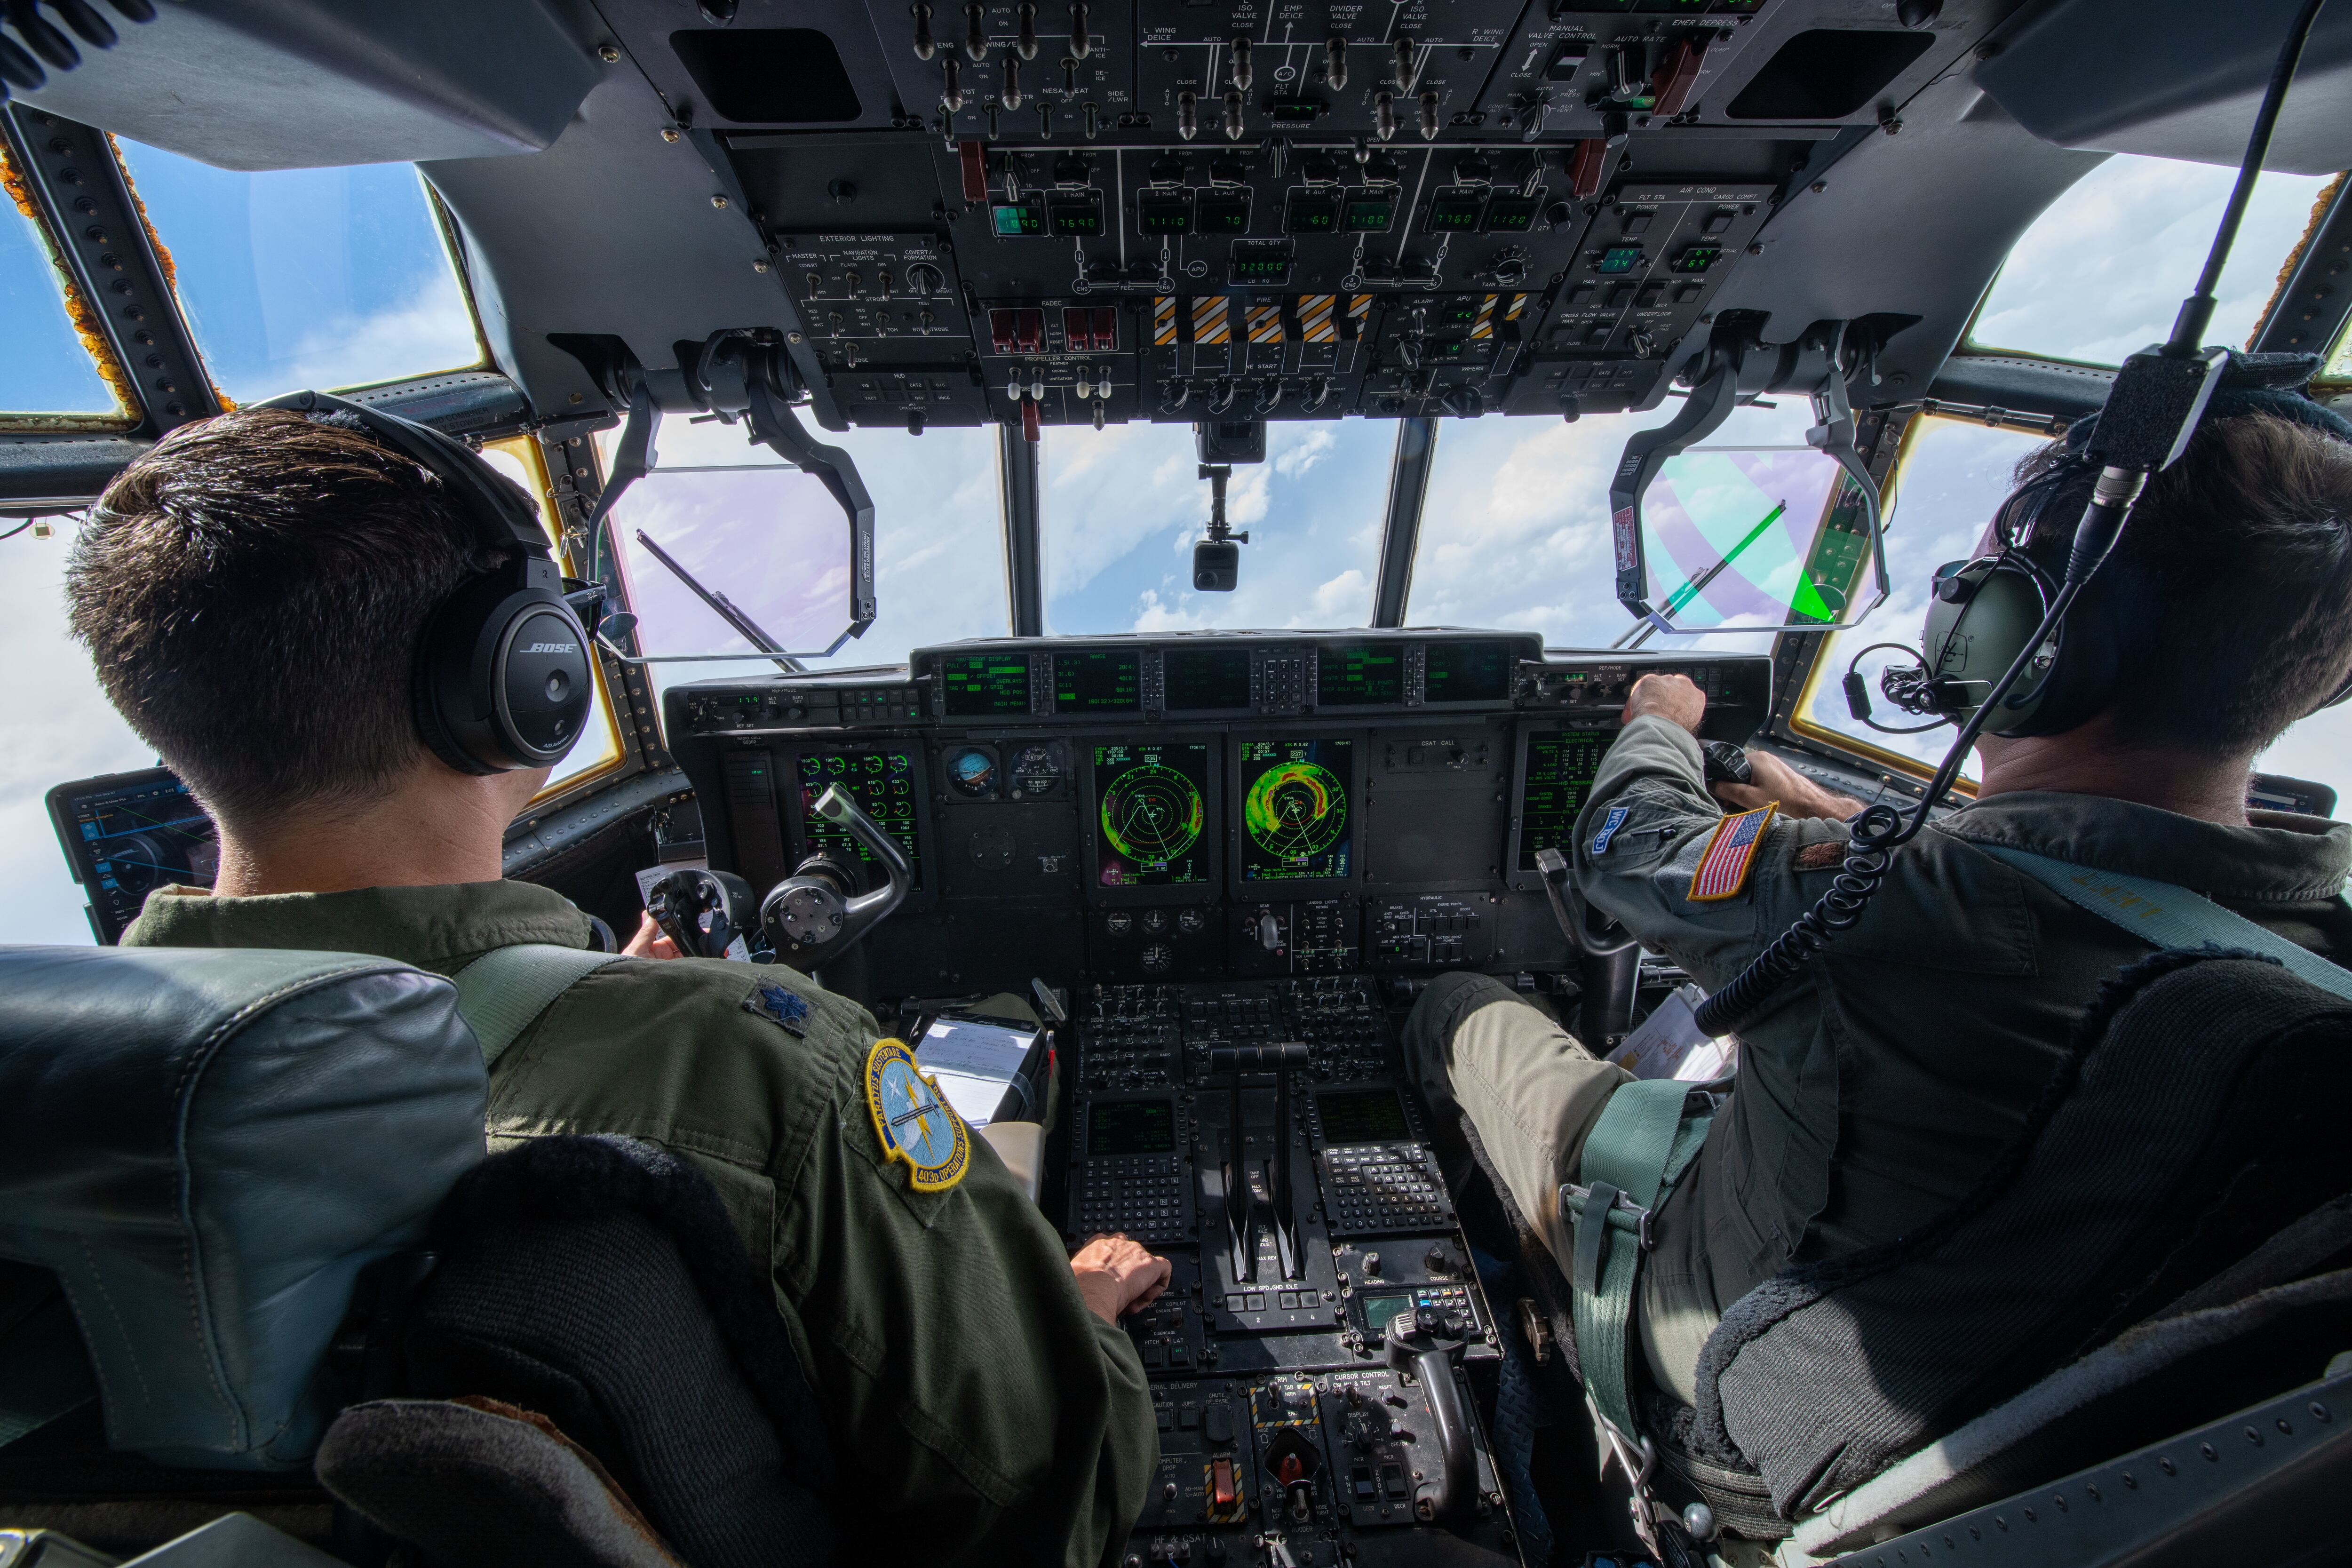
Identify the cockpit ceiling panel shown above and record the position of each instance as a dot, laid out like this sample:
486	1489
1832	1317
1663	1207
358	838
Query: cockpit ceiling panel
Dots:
288	84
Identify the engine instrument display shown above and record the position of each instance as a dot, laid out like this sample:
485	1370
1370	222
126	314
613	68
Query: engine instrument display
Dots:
1561	765
882	783
1351	677
983	684
1207	679
1098	681
1151	814
1297	805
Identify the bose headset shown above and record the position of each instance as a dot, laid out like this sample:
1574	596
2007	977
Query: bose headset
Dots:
503	678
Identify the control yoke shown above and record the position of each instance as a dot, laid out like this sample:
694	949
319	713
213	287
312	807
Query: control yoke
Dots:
703	912
817	913
1424	1343
1607	962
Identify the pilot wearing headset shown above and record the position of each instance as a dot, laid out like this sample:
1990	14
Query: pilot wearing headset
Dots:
1877	1087
345	633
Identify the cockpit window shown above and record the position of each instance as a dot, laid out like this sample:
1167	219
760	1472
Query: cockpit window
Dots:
773	540
307	278
1123	506
2101	273
48	369
1515	531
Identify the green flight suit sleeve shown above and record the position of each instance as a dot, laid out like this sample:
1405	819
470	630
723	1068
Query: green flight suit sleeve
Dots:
982	1413
1656	773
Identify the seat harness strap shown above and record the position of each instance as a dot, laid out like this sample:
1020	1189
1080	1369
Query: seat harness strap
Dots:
2166	916
503	993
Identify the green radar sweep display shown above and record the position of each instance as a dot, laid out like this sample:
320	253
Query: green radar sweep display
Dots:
1152	814
1296	810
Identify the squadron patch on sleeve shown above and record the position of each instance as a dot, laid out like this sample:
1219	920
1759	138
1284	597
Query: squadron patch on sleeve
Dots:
780	1007
1723	864
914	1120
1609	826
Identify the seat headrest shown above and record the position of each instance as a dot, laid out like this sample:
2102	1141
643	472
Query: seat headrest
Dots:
206	1146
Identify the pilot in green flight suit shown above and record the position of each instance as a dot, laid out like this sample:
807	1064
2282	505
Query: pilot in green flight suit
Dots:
253	592
1875	1089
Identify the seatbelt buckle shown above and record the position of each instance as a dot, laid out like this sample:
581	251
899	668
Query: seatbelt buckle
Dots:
1623	1212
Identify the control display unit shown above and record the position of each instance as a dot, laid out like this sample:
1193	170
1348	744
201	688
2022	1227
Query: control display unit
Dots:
1151	814
1297	805
985	685
126	835
1099	681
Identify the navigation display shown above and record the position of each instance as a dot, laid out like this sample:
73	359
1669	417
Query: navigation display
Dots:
981	684
882	783
128	834
1106	680
1362	1116
1130	1127
1206	679
1560	769
1151	814
1297	810
1349	676
1466	673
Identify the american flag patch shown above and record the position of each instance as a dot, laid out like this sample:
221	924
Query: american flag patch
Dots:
1723	867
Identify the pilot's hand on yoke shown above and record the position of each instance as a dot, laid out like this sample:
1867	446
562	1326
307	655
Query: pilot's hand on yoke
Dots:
1673	697
1776	780
649	942
1115	1276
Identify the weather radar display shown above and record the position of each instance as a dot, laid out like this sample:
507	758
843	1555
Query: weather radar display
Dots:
1151	816
1294	810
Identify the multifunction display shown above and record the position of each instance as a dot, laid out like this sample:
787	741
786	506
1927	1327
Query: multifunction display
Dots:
1100	681
1467	672
882	783
1297	810
1362	1116
1354	677
1561	764
1151	814
1206	679
979	685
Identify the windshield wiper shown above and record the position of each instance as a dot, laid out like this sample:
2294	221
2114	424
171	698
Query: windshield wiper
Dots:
750	629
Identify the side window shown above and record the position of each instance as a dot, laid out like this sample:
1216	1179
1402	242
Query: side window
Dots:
48	376
1951	475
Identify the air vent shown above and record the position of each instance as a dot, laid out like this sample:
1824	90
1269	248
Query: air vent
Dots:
1828	73
767	76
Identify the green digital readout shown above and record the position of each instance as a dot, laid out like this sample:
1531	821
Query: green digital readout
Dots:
1620	258
1020	219
1455	211
1368	212
1076	214
1561	767
1510	212
1698	257
1351	677
1259	262
1311	212
981	684
1097	681
1162	214
1222	212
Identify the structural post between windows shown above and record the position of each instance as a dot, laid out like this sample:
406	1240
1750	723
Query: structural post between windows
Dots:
1024	576
1416	454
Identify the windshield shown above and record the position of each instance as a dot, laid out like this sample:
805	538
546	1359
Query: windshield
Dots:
47	369
2101	273
307	278
1124	505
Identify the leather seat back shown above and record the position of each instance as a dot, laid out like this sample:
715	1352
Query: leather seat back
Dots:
206	1146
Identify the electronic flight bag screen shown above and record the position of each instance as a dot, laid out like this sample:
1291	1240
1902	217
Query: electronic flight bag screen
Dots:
1297	810
882	783
1561	765
128	834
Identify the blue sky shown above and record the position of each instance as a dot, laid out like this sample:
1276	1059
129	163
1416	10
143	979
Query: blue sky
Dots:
338	278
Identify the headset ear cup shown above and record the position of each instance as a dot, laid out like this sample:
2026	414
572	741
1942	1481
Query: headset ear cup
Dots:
504	678
448	712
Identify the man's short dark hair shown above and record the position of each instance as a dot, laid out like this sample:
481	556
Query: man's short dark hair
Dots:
253	591
2230	587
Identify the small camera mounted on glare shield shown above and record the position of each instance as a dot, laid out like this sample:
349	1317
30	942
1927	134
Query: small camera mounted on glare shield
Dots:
1217	560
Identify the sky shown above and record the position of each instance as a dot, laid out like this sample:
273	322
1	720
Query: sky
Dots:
338	278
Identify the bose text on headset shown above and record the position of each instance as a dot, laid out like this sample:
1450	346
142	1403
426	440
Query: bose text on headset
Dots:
504	679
